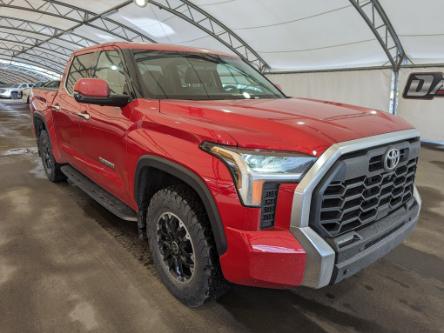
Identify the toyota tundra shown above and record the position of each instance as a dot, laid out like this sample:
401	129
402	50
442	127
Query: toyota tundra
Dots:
228	179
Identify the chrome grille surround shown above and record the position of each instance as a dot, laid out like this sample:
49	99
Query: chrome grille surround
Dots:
358	190
320	258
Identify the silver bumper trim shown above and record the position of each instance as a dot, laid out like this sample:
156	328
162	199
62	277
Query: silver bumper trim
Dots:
320	256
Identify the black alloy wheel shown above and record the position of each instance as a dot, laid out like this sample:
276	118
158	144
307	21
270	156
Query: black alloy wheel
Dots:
175	247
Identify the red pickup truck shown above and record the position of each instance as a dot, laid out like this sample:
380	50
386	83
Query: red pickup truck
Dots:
229	179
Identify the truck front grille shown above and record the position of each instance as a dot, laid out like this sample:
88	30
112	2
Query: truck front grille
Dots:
358	190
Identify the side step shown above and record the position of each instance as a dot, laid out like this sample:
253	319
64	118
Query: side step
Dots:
103	197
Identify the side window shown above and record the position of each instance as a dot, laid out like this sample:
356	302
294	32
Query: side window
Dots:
110	68
81	67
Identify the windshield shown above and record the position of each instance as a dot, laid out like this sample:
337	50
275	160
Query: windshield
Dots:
201	77
15	86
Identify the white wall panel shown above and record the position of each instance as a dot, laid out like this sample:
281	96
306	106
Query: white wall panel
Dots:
426	115
369	88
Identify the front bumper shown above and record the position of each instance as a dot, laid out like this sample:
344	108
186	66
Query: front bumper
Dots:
269	259
286	259
375	242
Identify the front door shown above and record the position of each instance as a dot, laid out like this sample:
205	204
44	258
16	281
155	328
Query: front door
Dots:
67	111
105	129
66	120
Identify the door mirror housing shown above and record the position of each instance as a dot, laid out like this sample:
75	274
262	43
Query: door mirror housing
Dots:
96	91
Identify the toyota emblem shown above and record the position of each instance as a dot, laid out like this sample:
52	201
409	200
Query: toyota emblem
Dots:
391	159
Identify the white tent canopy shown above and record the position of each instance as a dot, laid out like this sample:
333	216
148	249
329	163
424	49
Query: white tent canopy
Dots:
297	35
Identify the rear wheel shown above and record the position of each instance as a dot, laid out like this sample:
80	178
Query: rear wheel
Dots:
15	95
51	167
182	247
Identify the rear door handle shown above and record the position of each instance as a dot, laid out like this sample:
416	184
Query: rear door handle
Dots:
56	107
84	115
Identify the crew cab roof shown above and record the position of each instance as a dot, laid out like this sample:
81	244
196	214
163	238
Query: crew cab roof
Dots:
150	47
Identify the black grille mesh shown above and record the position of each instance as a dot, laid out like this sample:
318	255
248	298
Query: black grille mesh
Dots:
269	200
345	203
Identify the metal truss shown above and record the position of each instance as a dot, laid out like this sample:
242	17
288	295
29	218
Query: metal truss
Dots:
79	17
6	79
44	30
10	76
22	39
49	46
376	18
29	67
37	56
25	62
38	61
18	44
33	75
196	16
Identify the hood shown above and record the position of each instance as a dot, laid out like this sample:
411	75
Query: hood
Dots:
302	125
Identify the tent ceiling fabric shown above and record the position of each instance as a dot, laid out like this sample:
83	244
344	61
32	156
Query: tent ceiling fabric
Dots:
11	72
297	35
420	27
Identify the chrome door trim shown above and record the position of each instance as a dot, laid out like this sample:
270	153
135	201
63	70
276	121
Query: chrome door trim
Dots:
106	162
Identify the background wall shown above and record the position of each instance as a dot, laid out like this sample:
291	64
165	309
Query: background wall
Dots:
425	115
369	88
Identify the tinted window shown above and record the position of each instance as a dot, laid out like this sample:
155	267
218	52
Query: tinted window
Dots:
82	67
201	76
51	84
110	68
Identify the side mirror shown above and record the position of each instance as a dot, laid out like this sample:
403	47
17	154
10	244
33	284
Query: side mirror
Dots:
96	91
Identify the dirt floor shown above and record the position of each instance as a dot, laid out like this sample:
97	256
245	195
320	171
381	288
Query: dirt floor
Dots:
67	265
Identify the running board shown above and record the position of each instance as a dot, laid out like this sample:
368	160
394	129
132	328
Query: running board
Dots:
103	197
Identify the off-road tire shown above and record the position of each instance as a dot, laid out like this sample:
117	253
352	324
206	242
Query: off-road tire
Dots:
207	281
51	167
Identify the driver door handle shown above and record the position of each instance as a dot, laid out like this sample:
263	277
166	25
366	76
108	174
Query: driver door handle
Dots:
85	115
56	107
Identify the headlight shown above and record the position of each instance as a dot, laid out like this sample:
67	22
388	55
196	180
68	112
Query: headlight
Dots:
251	169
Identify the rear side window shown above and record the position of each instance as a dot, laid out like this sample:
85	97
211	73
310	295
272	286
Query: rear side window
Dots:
110	68
82	67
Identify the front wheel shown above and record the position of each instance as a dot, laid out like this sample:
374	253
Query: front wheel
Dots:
51	167
182	247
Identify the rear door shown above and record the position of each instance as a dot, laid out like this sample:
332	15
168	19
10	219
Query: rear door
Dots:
104	133
66	110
